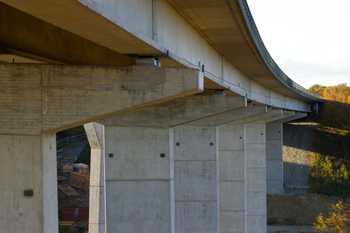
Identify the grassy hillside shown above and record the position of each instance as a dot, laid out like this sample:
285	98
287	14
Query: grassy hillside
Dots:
330	167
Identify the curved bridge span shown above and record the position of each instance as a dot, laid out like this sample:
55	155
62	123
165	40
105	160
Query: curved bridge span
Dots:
182	104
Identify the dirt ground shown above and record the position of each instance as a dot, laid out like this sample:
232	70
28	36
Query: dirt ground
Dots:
69	154
290	229
299	210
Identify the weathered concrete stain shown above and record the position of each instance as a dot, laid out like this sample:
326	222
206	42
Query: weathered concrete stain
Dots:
141	78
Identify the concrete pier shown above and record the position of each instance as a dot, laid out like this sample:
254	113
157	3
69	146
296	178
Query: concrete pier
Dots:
97	205
274	153
28	197
196	178
256	177
159	159
192	167
274	158
232	163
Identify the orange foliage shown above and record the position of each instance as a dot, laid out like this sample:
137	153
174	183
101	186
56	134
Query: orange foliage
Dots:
317	88
338	220
340	93
336	115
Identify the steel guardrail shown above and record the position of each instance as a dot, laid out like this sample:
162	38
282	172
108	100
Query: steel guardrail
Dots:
266	55
76	138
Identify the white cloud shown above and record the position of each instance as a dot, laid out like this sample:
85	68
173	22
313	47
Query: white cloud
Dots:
308	39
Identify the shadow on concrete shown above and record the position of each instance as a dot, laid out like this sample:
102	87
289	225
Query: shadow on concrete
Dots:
297	148
295	178
299	134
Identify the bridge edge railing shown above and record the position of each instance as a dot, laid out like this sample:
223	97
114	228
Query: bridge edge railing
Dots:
76	138
276	70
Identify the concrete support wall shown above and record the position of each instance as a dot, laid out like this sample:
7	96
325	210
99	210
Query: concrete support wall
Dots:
274	158
196	179
95	134
139	179
232	162
256	177
28	167
157	179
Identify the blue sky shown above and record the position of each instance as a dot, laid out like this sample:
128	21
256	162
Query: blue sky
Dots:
308	39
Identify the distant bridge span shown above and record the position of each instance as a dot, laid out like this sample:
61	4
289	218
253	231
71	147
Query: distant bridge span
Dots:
196	142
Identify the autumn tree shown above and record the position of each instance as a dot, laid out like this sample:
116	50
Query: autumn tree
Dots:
335	119
317	88
337	221
340	93
331	145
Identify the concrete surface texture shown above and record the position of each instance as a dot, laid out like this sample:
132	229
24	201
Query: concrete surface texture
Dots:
297	148
196	179
179	111
28	198
180	174
95	135
139	179
66	96
232	178
274	158
256	177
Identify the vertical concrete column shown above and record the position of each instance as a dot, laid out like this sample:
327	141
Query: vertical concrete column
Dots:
274	158
232	178
95	134
196	179
256	177
139	179
28	172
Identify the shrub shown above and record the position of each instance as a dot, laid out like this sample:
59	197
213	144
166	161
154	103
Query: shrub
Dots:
70	132
329	176
338	220
85	155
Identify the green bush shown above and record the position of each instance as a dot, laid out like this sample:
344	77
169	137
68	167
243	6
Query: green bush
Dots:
85	155
64	230
70	132
329	176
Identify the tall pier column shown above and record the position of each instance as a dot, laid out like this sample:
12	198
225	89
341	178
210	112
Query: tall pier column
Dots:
139	179
95	135
274	158
28	172
196	179
232	161
256	177
242	168
274	153
243	177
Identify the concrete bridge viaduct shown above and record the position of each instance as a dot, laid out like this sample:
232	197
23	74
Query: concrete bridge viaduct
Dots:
182	104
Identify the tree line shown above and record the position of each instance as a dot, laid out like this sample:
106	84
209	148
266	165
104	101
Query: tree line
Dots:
330	169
